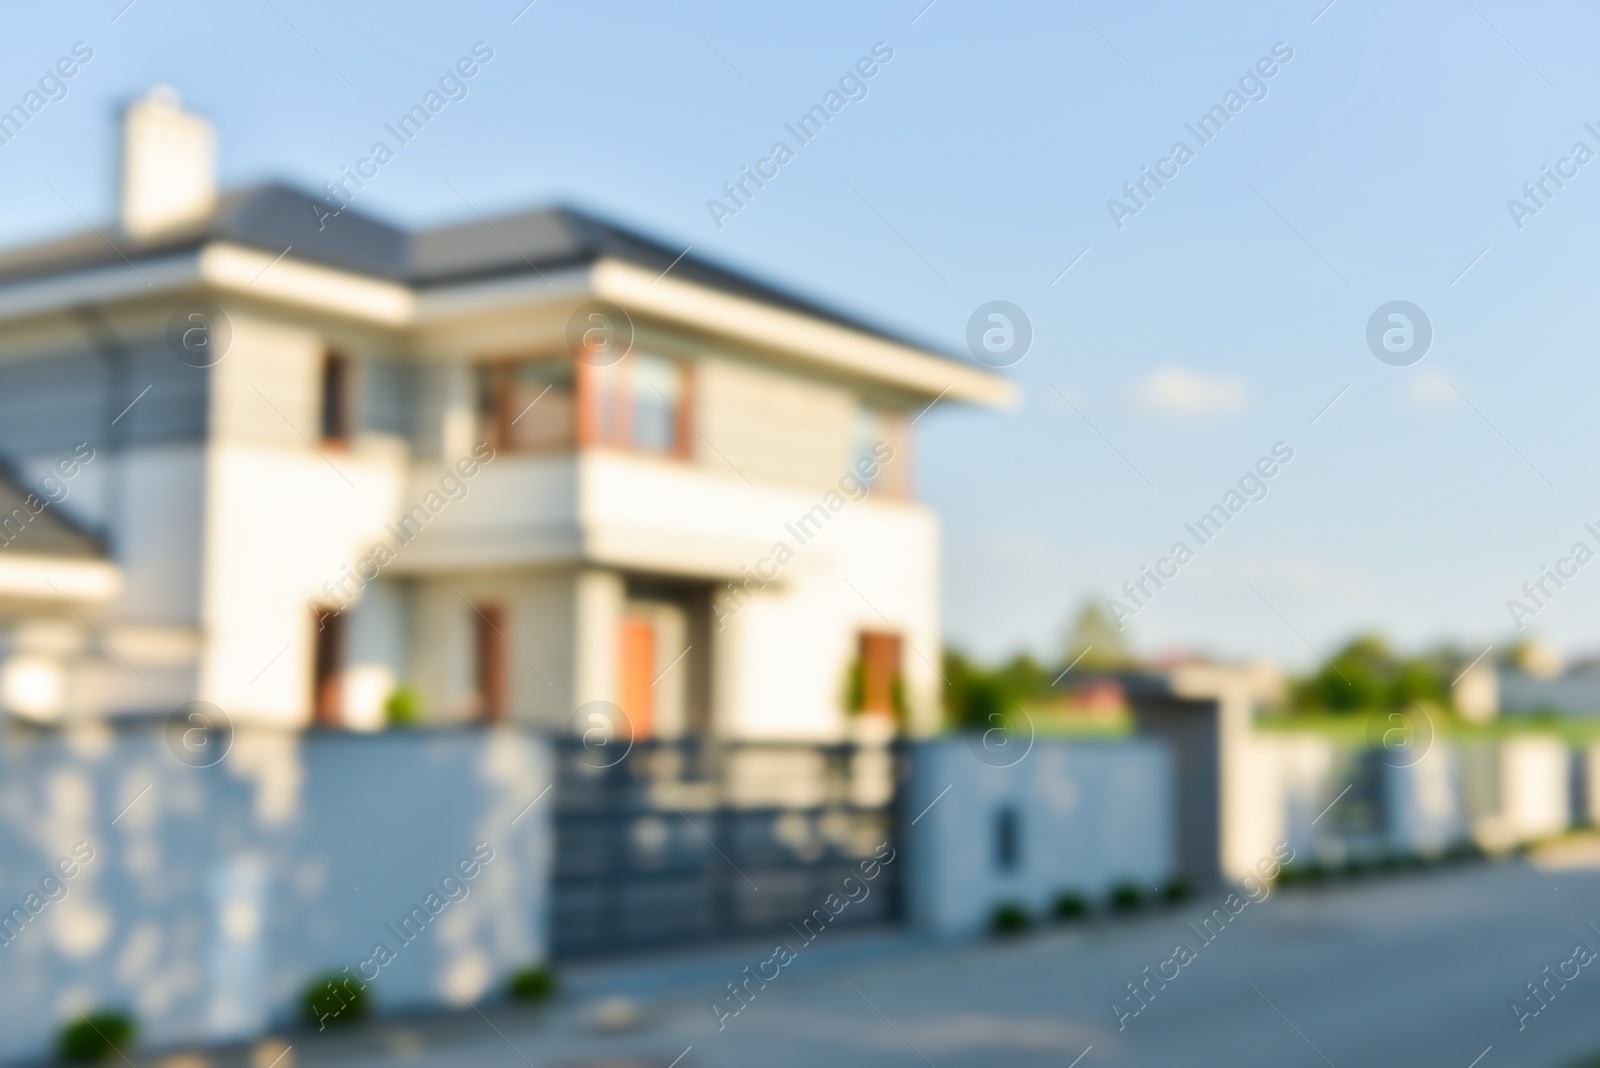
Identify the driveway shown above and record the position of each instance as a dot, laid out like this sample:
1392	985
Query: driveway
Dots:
1404	970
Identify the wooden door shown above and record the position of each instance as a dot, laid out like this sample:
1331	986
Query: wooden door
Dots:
638	661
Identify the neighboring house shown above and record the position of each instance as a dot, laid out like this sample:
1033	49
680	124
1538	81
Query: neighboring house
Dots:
332	458
1574	692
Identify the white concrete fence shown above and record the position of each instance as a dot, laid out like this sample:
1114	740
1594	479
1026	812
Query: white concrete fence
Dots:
203	900
211	896
1069	816
998	827
1490	794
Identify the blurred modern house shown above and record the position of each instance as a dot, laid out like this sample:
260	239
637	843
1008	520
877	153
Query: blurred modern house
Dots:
513	466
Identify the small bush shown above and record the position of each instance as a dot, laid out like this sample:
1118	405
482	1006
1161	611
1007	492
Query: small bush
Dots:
1461	852
403	708
1316	871
1355	868
1403	862
1070	905
98	1037
1009	918
1126	897
1289	874
1177	891
537	983
334	999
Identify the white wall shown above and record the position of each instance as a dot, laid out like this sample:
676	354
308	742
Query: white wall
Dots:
1534	787
544	626
1288	782
206	910
1426	813
1122	790
1521	793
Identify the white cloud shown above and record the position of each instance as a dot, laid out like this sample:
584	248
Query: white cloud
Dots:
1179	393
1430	389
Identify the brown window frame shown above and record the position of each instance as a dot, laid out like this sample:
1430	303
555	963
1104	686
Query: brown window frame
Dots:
327	668
877	650
335	408
497	414
588	401
490	662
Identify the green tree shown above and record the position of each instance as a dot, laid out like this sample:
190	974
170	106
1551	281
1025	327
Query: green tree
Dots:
1356	677
1365	674
978	698
1096	638
972	694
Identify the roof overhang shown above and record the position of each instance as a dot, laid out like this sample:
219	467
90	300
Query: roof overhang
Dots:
234	268
26	577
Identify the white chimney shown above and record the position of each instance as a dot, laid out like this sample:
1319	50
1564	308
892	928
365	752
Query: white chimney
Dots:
169	165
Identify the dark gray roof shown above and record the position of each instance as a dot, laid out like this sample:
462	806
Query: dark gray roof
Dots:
49	533
275	216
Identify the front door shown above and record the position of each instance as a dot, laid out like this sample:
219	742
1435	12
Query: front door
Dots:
635	691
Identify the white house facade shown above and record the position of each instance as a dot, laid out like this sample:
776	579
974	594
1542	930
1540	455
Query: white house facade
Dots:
315	469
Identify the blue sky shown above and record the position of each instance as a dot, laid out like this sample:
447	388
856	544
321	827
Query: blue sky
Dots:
1219	320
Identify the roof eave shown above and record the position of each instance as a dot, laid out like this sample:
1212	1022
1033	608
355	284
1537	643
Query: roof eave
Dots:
793	335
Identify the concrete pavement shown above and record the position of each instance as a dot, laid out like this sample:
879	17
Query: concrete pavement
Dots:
1404	970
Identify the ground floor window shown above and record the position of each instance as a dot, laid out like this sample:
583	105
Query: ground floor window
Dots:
327	669
489	662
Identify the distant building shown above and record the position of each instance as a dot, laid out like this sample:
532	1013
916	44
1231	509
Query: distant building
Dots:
291	459
1574	692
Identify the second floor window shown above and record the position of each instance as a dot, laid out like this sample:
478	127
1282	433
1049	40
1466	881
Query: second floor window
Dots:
883	446
639	403
526	405
335	415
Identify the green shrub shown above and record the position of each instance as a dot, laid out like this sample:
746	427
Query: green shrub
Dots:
1070	905
537	983
100	1036
1355	868
334	999
403	708
1316	871
1461	852
1009	918
1289	874
1177	891
1126	897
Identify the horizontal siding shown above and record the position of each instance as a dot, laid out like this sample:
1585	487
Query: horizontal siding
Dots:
51	404
174	410
770	425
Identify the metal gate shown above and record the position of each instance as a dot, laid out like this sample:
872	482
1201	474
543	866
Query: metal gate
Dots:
691	841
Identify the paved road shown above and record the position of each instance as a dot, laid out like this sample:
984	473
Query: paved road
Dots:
1405	971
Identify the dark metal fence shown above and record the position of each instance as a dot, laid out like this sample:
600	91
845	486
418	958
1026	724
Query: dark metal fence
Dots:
691	841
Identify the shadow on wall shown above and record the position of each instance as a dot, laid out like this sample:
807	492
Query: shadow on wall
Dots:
203	899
